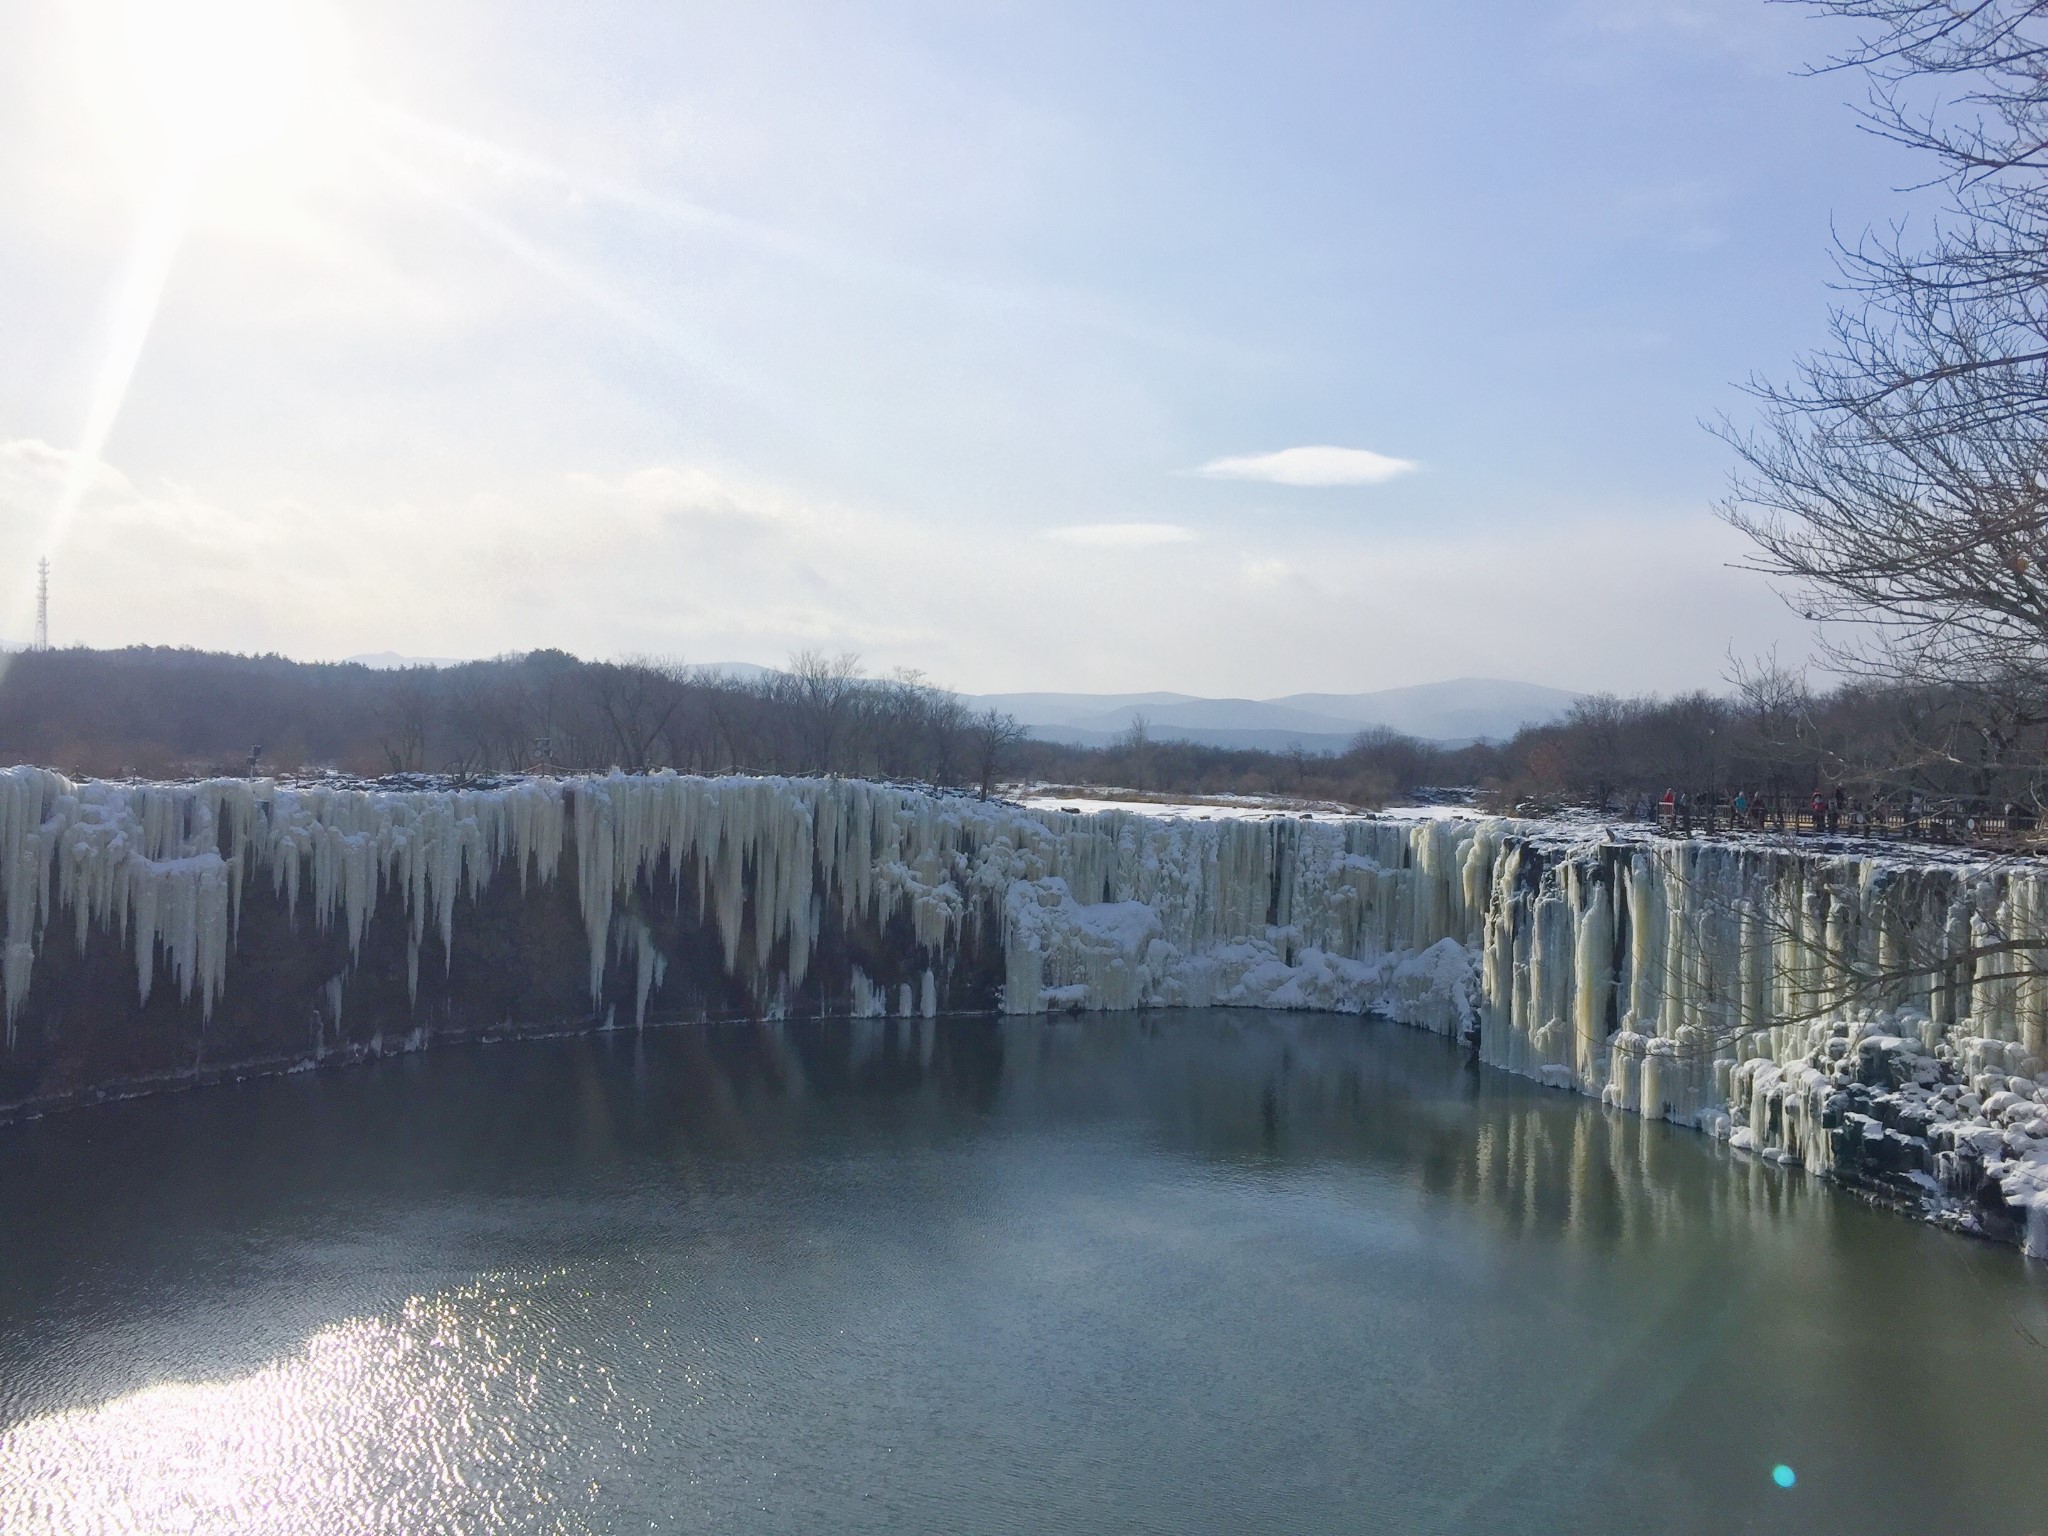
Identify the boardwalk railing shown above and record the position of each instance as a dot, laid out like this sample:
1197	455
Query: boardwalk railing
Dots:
1944	822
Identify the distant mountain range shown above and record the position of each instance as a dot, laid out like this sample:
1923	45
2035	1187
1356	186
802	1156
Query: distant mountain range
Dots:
1462	710
1465	709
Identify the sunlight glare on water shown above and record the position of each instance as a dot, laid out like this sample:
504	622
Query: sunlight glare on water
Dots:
413	1422
1189	1272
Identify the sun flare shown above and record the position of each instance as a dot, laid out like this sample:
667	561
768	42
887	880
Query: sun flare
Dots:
210	84
218	76
220	113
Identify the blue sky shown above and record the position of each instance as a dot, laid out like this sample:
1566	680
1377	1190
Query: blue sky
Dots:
718	331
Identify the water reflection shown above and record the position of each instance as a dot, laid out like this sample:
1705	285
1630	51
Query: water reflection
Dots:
1188	1271
1247	1089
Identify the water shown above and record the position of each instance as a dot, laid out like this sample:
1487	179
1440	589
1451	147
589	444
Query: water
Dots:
1185	1272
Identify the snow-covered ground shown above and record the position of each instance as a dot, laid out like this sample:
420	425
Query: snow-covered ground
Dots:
1186	808
1041	797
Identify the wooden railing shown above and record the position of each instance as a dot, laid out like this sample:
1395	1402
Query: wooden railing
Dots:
1945	822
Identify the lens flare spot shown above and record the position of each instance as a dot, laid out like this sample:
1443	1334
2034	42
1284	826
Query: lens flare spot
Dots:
1783	1475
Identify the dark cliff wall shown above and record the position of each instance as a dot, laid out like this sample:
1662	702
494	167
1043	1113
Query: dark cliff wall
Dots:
519	965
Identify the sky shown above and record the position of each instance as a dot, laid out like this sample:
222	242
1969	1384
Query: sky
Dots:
1235	349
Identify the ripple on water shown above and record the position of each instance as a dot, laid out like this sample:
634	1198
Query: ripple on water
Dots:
1197	1272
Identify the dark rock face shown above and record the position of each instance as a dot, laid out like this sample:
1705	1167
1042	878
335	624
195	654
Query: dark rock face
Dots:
519	965
1890	1135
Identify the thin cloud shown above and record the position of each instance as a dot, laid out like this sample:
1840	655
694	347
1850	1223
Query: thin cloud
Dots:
711	563
1311	466
1123	535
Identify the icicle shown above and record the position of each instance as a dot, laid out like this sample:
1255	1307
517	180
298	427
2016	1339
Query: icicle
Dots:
1709	959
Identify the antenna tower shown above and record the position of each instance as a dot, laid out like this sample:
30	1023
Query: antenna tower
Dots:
43	604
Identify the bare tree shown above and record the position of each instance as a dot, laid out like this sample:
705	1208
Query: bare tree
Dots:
1135	744
912	728
637	697
736	711
487	712
1297	757
1900	486
824	691
558	713
1602	723
944	729
404	714
690	738
992	733
1398	761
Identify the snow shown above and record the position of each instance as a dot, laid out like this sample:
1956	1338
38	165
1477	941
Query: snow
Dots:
1207	808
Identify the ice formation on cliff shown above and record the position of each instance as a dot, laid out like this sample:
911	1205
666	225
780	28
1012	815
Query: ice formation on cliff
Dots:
1722	985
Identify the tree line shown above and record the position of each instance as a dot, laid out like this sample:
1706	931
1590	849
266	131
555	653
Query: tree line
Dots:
162	712
1771	736
1778	740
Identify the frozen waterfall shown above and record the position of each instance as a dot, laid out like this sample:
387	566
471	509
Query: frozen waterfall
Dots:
1740	987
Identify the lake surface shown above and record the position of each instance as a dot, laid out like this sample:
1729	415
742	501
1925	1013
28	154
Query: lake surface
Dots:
1177	1272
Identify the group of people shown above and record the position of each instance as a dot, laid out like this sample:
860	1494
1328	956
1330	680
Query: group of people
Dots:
1682	812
